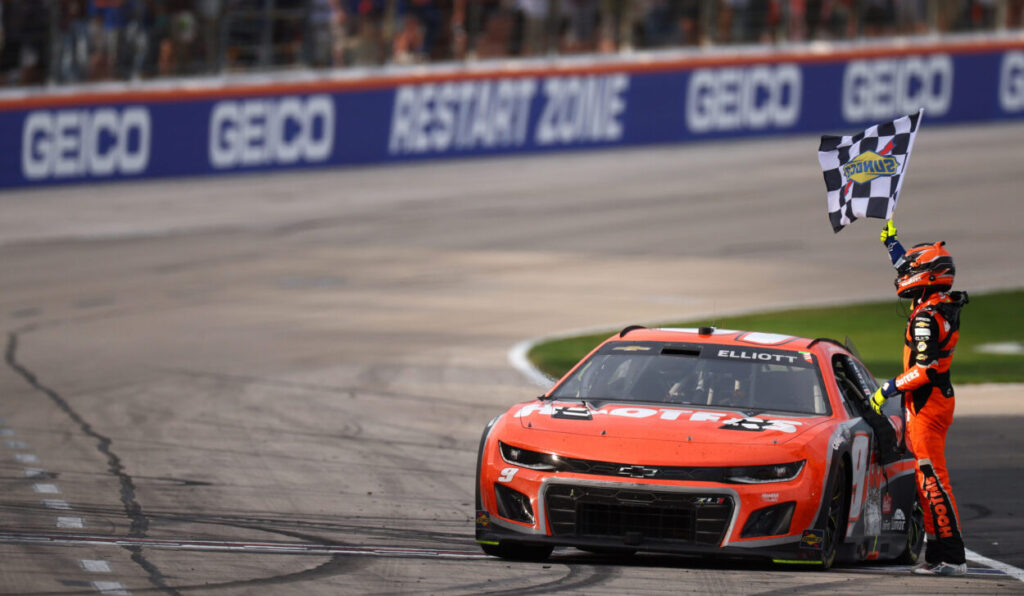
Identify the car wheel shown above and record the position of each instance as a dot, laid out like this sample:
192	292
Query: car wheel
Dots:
835	518
518	551
915	537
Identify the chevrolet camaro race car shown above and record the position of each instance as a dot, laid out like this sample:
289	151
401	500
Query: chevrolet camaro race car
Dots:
707	442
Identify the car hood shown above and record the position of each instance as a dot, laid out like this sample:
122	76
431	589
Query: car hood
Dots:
695	425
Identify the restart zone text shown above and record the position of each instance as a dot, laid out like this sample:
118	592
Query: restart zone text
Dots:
708	442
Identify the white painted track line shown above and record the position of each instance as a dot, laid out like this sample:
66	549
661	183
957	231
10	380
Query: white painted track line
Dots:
96	566
1007	569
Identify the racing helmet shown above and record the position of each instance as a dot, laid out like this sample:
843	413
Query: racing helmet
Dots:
925	268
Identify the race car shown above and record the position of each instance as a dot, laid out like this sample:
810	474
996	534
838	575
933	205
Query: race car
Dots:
703	441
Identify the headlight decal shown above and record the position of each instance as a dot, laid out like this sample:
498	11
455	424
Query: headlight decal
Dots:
528	459
764	474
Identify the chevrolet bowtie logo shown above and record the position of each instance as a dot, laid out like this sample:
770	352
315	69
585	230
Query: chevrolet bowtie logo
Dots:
637	471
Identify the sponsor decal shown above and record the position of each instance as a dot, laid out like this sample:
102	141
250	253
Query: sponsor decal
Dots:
1011	82
483	519
869	165
268	131
922	346
743	98
812	539
496	114
898	522
460	116
941	510
808	357
922	332
85	142
770	497
670	414
572	413
507	474
751	424
881	88
759	425
764	356
632	348
887	504
582	109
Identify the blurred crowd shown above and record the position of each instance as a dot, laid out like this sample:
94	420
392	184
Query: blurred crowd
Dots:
70	41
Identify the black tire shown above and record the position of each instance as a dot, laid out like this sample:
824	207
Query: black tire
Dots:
915	538
834	522
517	551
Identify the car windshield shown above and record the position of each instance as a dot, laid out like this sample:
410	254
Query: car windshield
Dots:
753	379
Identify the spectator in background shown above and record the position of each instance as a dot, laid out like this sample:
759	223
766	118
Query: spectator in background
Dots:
876	17
104	31
495	38
582	21
408	44
326	33
980	14
365	31
178	50
209	13
659	26
72	61
428	15
459	39
534	16
910	16
133	43
25	58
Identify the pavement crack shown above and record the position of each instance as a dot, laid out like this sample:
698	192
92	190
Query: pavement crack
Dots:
132	508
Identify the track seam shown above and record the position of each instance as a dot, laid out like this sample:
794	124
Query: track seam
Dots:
139	521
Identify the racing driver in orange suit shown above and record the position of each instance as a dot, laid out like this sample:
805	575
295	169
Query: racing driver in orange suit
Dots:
925	275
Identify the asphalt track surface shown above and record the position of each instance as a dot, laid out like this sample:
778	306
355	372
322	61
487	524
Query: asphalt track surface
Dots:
276	384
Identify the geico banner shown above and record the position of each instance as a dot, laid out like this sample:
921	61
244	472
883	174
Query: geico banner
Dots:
48	141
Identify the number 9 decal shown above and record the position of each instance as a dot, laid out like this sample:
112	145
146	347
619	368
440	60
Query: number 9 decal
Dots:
860	453
507	474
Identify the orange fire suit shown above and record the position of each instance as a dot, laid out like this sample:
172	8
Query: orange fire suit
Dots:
931	336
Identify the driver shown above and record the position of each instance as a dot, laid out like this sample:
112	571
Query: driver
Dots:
925	275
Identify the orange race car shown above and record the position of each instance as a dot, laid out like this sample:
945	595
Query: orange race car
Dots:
703	441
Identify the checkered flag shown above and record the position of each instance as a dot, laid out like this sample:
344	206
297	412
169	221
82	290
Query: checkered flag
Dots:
864	173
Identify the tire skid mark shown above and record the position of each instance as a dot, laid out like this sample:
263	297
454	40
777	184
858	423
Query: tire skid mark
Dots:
132	508
578	577
292	548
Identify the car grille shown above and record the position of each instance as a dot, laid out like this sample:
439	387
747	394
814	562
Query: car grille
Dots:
636	513
602	468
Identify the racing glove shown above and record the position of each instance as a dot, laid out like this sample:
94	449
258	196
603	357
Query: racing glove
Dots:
888	233
888	238
887	390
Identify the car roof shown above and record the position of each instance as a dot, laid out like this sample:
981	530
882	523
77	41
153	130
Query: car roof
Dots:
729	337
